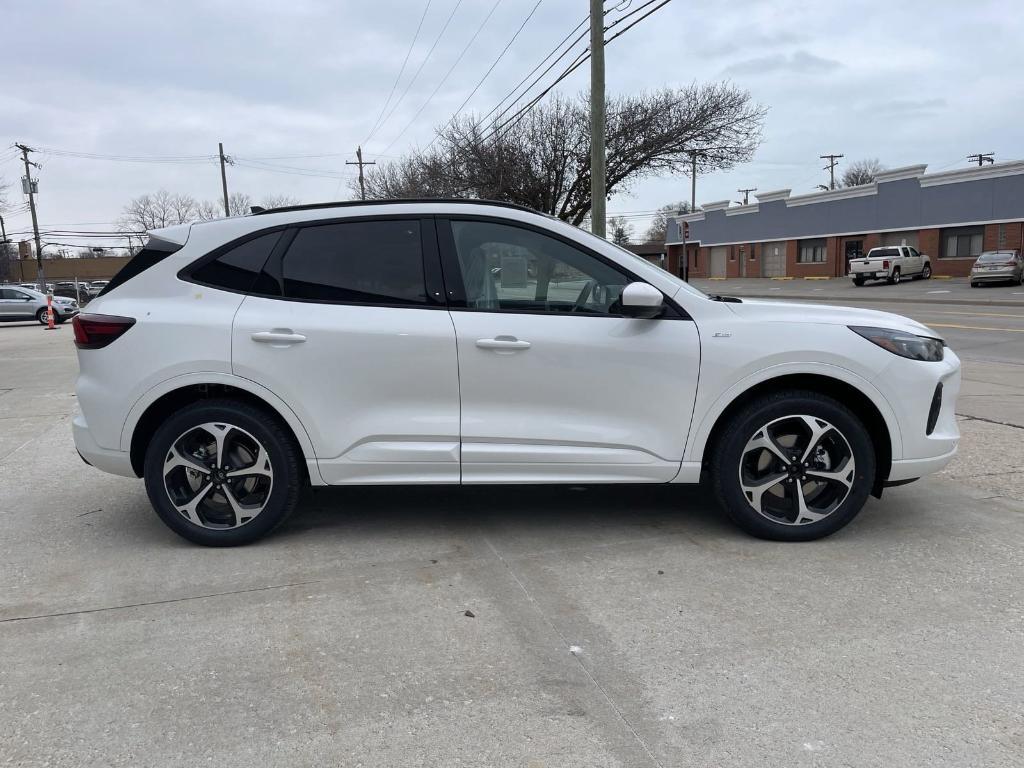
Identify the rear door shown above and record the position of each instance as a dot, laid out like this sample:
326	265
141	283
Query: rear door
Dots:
348	326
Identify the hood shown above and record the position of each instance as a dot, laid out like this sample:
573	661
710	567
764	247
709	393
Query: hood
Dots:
769	311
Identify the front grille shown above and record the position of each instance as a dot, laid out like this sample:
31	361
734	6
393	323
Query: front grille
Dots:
933	412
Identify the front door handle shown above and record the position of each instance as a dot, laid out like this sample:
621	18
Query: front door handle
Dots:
503	343
279	337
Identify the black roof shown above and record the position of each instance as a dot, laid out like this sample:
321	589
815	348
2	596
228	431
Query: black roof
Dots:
257	211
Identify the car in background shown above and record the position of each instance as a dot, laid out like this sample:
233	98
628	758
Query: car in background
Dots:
998	267
97	286
890	263
68	289
19	303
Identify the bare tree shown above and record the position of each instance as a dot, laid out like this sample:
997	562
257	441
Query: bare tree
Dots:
207	210
658	229
620	230
278	201
153	211
542	160
861	172
4	186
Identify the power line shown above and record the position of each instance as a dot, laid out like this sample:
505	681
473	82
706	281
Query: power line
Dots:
423	63
833	161
490	69
401	71
447	74
982	157
52	152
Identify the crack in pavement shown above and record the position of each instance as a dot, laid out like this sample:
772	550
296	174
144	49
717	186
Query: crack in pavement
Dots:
991	421
156	602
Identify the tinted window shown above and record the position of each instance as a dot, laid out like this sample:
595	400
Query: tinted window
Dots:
518	270
7	293
359	262
239	268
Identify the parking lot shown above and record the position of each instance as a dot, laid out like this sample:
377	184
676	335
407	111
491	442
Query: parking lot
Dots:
529	626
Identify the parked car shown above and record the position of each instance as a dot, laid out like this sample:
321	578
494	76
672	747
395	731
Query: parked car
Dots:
373	343
96	286
892	264
19	303
998	267
79	293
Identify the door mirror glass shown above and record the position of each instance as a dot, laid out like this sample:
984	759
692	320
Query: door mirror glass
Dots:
642	300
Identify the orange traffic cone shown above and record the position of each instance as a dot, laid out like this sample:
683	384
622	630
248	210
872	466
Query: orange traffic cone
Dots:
49	312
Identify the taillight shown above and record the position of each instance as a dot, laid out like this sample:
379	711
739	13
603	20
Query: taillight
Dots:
885	264
97	331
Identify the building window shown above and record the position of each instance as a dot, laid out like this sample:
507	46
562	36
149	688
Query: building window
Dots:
962	242
811	251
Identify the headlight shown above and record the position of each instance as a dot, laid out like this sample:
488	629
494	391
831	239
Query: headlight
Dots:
902	343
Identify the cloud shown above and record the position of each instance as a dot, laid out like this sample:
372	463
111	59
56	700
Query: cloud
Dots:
800	62
908	107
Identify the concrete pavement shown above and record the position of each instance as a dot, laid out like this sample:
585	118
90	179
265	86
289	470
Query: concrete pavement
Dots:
611	626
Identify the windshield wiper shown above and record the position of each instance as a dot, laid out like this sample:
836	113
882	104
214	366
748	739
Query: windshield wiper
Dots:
729	299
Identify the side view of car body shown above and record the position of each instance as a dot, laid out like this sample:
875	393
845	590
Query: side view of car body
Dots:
892	264
448	342
18	303
998	267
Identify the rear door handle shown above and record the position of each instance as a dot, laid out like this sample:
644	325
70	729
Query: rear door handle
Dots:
503	343
279	337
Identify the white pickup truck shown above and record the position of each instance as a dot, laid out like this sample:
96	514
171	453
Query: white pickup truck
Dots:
891	263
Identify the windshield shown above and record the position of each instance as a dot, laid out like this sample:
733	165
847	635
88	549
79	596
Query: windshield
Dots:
1000	256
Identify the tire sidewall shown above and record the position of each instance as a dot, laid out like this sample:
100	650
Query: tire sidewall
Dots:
283	456
743	427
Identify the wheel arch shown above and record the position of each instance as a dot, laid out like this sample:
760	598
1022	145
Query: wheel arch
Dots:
160	401
859	396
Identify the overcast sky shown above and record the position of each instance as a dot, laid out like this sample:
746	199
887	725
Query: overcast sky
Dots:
926	81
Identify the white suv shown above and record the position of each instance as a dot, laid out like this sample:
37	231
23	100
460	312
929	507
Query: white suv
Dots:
411	342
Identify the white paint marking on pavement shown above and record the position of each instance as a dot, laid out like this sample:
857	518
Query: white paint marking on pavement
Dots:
939	291
575	650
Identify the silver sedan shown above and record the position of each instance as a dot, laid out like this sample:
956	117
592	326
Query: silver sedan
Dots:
998	267
18	303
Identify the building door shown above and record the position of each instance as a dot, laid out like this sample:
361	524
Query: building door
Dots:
719	259
773	259
853	249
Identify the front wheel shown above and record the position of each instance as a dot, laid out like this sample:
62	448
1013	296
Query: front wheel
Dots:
793	466
926	273
221	473
41	316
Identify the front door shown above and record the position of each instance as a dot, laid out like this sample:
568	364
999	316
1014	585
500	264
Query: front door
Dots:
556	385
360	348
773	259
853	249
719	260
14	304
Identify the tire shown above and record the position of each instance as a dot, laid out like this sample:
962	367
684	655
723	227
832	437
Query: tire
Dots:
973	284
829	503
858	281
894	279
41	316
211	517
926	272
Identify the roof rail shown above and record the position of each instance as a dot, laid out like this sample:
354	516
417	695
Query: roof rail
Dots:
257	211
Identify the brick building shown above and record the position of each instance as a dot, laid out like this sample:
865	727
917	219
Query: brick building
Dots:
951	216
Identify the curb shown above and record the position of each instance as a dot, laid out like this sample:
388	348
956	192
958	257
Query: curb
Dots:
880	300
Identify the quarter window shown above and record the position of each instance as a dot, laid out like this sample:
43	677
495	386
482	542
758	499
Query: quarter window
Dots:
239	268
358	262
962	242
511	269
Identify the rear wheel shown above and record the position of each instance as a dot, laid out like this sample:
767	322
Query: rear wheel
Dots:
793	466
858	281
221	473
894	279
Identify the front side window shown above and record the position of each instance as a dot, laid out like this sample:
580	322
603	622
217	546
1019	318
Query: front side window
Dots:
511	269
358	262
962	242
811	251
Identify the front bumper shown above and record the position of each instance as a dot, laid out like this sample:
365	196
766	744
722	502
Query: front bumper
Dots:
115	462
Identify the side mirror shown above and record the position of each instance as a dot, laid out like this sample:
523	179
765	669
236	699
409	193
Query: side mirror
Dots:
641	300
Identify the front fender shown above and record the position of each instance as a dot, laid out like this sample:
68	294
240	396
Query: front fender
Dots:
698	439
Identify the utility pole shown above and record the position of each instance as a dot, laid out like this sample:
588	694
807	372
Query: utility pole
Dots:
981	158
833	161
360	163
693	181
40	277
597	118
746	192
224	178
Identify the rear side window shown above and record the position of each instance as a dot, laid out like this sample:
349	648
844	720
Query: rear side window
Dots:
241	267
155	251
358	262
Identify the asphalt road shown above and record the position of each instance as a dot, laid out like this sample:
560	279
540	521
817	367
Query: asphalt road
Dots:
610	626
